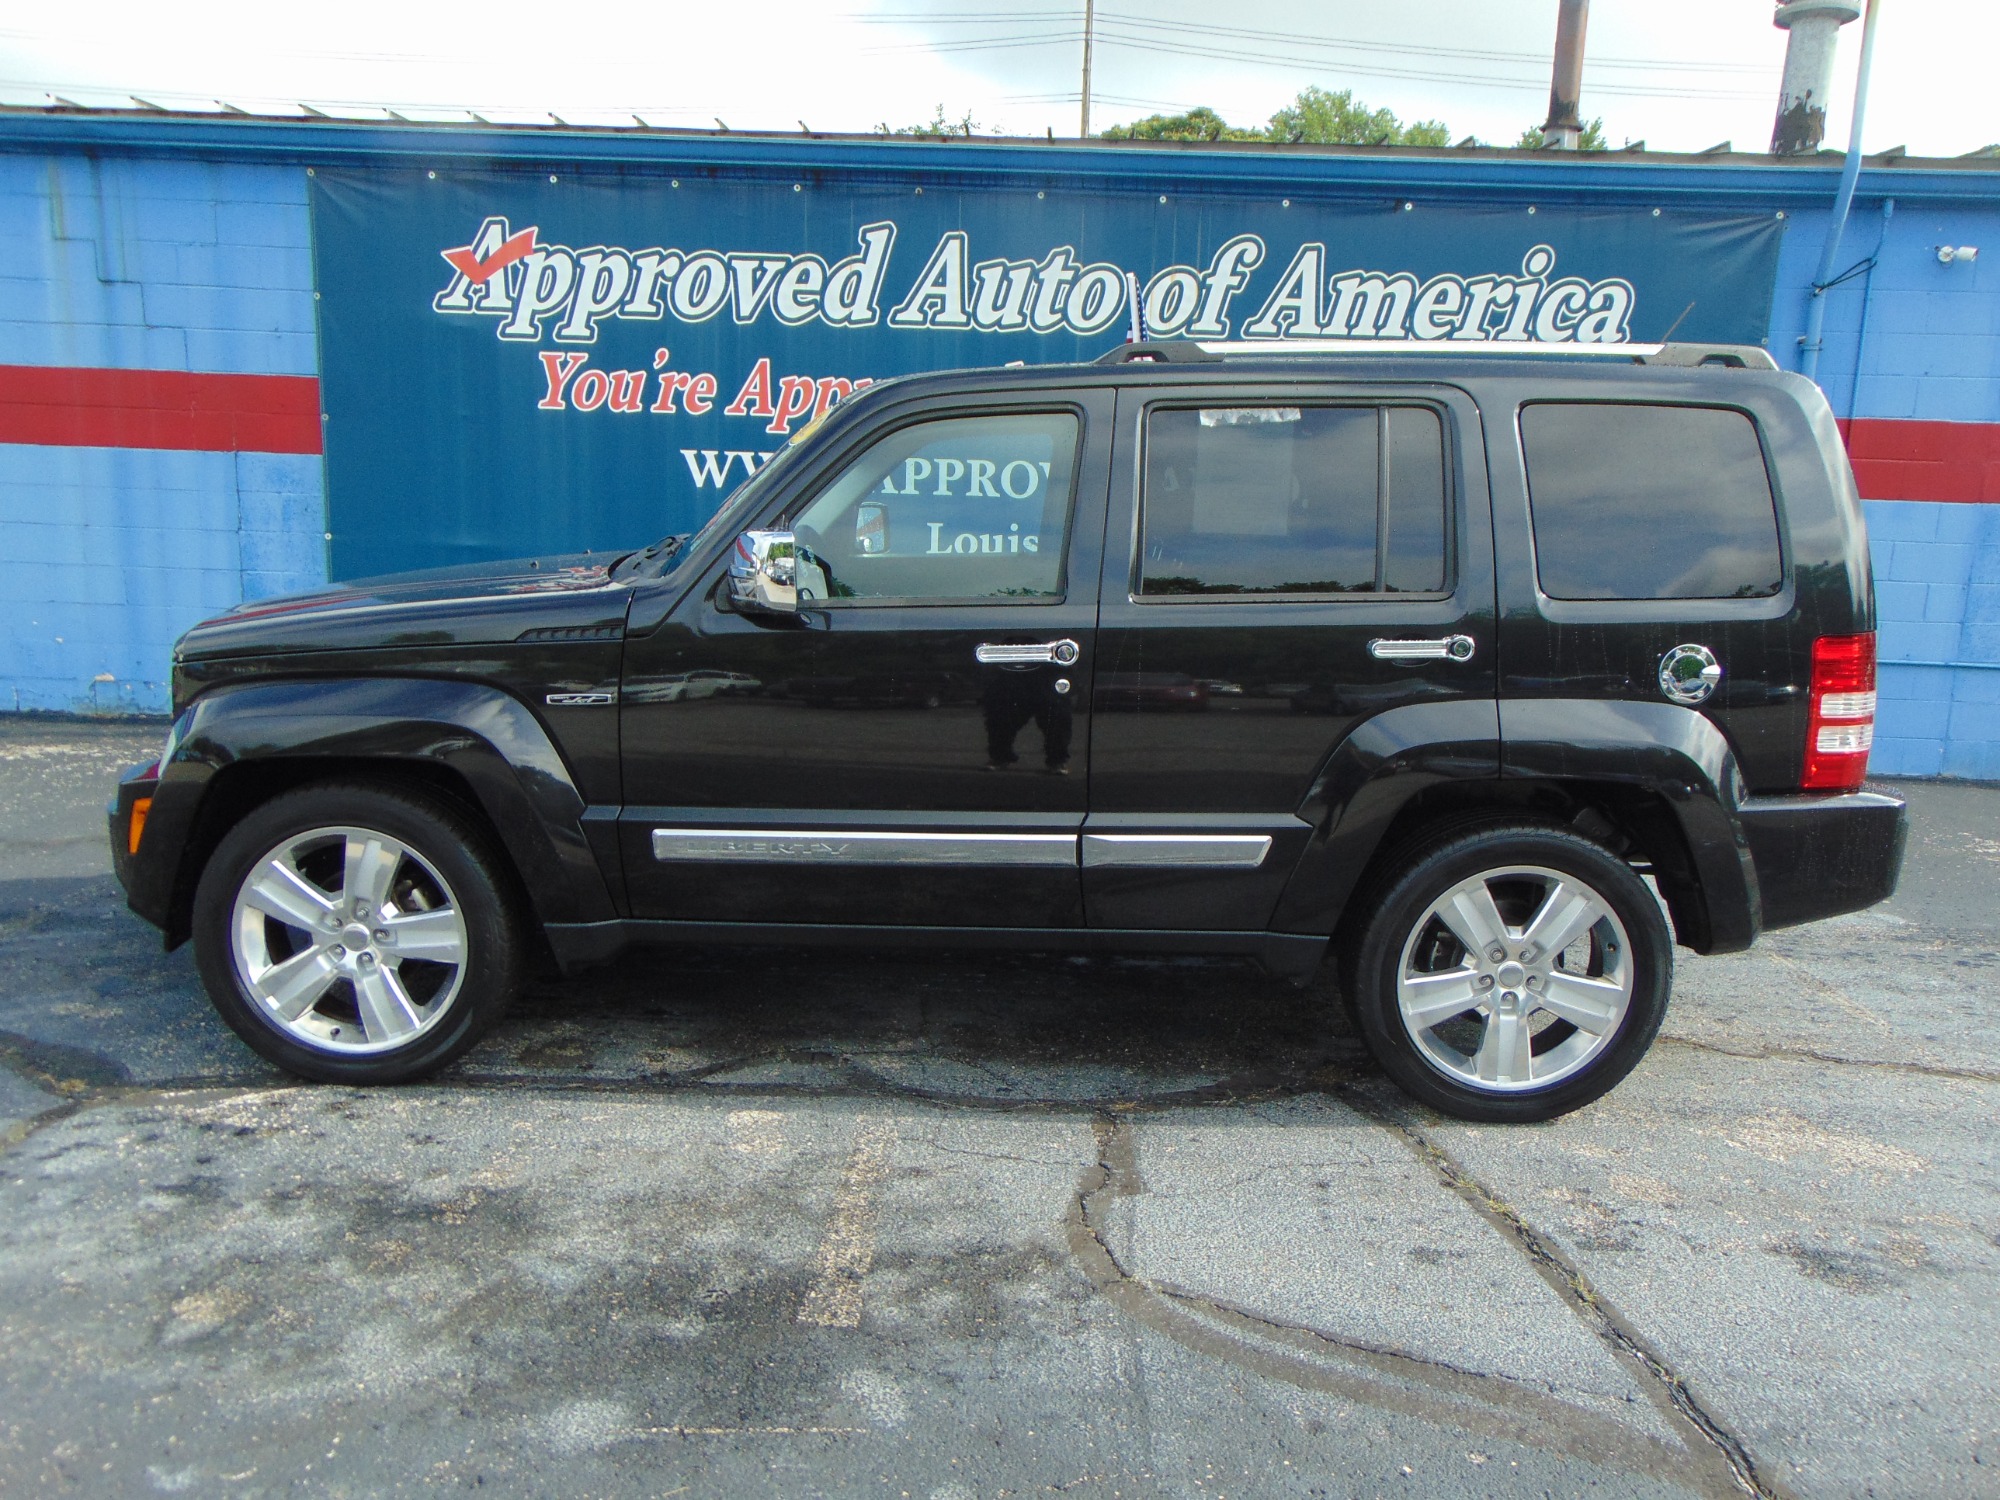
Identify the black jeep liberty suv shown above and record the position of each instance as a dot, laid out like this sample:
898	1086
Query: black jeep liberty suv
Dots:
1421	658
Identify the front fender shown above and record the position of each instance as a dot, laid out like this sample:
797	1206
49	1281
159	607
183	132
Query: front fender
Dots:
1679	757
488	739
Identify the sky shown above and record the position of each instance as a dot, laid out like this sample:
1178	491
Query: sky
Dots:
1681	76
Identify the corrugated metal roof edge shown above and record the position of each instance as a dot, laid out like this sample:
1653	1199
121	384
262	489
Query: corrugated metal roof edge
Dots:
1173	167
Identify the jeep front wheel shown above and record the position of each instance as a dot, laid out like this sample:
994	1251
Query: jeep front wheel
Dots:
353	934
1512	974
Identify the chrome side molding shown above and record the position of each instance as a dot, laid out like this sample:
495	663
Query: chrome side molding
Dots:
773	846
840	847
1179	851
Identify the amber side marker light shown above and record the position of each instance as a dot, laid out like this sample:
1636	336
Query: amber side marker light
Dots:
137	826
1840	730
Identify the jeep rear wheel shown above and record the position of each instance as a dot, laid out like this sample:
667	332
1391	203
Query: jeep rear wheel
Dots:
1512	974
354	934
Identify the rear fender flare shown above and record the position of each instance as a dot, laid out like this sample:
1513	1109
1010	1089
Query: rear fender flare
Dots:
1365	782
1671	753
1678	756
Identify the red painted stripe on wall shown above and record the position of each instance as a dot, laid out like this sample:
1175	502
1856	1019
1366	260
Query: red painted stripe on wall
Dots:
1896	459
57	406
60	406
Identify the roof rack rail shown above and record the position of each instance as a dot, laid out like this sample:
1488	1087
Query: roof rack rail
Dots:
1733	356
1163	352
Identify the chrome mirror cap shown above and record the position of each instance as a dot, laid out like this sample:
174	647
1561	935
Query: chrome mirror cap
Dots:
763	573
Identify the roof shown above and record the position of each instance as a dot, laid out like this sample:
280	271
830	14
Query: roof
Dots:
1168	166
1282	363
1675	356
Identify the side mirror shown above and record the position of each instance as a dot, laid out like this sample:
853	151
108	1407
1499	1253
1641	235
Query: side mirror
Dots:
763	573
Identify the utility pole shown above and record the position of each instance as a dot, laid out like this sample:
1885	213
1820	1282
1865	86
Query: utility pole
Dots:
1564	128
1089	29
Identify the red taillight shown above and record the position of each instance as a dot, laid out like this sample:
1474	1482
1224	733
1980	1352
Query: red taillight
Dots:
1841	726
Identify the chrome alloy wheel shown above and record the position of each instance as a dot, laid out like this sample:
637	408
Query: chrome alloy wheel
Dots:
348	940
1515	978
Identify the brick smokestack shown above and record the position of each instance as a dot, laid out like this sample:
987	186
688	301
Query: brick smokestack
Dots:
1564	128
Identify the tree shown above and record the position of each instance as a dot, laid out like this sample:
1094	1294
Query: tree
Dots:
1590	138
939	125
1198	124
1316	117
1327	119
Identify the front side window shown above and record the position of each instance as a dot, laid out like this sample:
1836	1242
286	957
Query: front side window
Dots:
1292	500
1649	502
957	509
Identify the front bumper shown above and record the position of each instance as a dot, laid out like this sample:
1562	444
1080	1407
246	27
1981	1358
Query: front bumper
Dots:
1819	855
147	878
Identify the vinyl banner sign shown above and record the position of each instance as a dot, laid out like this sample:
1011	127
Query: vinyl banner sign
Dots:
516	363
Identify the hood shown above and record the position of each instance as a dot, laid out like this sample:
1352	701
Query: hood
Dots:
480	603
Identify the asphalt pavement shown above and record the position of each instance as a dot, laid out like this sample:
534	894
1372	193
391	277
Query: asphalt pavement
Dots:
748	1221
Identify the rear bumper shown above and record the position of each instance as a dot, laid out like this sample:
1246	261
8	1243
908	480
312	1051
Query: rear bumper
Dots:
1821	855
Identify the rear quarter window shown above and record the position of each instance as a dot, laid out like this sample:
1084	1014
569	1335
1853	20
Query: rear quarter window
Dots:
1635	501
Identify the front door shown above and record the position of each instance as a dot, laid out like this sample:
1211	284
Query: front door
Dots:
1287	564
912	749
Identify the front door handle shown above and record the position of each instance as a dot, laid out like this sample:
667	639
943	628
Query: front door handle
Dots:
1062	653
1450	648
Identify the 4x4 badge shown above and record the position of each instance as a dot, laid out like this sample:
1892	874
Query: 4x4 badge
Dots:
1688	674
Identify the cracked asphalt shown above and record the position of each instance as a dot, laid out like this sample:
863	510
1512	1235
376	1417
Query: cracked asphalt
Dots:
742	1222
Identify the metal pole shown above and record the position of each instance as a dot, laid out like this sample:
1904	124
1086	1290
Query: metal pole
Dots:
1811	341
1089	30
1564	127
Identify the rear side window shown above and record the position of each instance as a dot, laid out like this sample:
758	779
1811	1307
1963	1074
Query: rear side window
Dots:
1292	500
1649	502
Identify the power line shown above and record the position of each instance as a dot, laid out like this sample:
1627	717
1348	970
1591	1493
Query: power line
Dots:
1072	96
1475	54
982	44
1108	36
1372	70
1296	39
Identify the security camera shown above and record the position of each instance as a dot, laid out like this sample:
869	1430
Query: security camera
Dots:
1947	253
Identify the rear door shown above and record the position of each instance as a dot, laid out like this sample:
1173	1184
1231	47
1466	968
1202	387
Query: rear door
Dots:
1282	563
911	749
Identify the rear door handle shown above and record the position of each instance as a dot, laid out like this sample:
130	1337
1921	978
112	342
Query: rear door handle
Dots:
1450	648
1062	653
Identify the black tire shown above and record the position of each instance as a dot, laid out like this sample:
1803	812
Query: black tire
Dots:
1511	864
447	866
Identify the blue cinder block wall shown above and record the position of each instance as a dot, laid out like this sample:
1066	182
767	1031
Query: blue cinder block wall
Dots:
1937	577
108	553
1913	340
